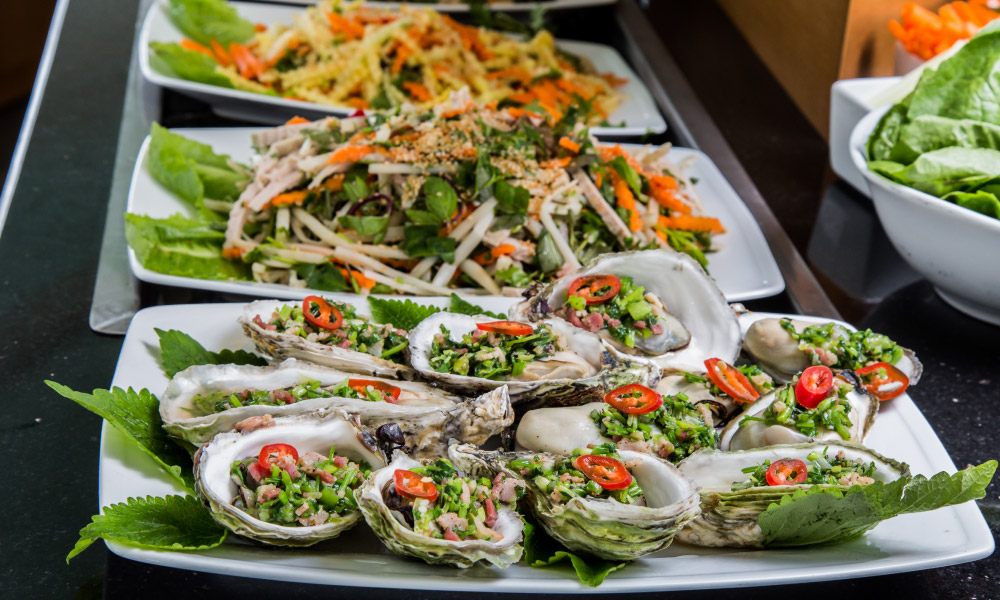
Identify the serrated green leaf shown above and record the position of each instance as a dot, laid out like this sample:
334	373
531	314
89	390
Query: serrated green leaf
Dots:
403	314
924	494
136	415
540	551
179	351
440	197
462	307
170	523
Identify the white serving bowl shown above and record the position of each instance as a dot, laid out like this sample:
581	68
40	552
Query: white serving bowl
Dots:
956	249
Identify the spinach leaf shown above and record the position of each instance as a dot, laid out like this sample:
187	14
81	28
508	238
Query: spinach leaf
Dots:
980	201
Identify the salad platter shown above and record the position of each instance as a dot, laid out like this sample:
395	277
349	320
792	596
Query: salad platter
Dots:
946	536
500	5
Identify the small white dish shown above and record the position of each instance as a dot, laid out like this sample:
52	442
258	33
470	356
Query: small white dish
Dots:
637	110
743	267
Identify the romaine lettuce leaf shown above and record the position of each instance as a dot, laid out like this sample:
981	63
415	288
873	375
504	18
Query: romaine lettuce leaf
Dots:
207	20
183	247
174	61
190	169
179	351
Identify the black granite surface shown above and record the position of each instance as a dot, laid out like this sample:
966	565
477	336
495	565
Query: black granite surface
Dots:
49	250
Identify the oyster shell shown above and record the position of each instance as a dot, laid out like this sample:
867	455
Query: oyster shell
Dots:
755	434
584	373
429	417
729	518
215	486
699	322
280	346
778	353
603	527
390	526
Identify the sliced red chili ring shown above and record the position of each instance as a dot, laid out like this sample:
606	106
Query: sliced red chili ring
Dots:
608	472
732	383
328	317
634	399
506	327
883	380
813	386
787	471
410	485
389	392
273	453
595	289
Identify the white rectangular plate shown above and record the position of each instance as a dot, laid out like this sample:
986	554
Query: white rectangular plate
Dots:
637	110
494	6
743	267
911	542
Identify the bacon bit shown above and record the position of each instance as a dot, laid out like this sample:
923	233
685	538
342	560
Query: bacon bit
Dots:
403	52
569	144
296	120
691	223
613	79
234	252
625	199
221	56
417	91
489	257
196	47
247	63
457	111
350	154
557	162
351	29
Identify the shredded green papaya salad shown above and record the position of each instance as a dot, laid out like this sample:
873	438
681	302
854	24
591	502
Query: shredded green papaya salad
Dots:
597	302
596	473
282	487
639	419
336	324
835	346
816	401
820	469
499	350
439	503
308	389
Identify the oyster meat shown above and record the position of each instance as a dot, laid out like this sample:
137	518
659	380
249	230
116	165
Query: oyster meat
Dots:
729	518
393	519
693	320
215	484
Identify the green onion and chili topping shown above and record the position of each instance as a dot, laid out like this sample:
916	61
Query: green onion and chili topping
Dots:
596	472
499	350
818	468
835	346
831	410
361	389
596	302
281	486
639	419
336	324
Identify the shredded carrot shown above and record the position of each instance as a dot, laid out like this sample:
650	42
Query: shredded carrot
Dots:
490	256
362	281
668	199
625	199
233	253
598	180
196	47
511	73
334	183
259	27
247	63
287	198
613	79
926	34
569	144
417	91
296	120
455	112
691	223
403	52
350	154
357	102
608	153
557	162
352	29
221	56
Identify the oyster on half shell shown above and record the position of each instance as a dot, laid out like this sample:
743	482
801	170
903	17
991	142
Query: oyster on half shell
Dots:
696	321
215	485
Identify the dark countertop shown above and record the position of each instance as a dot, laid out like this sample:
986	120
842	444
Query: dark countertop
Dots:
49	249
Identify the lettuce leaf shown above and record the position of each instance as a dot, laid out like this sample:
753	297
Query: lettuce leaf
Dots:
928	132
403	314
190	169
179	351
136	415
540	551
980	201
966	86
174	61
170	523
183	247
207	20
954	169
828	516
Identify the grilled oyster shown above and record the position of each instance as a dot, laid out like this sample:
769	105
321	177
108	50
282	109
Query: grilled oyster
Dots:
401	523
220	488
758	425
600	526
577	369
279	345
693	320
769	343
729	518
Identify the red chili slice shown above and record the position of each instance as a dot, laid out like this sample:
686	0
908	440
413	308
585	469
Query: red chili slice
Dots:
506	327
595	288
608	472
813	386
883	386
731	381
787	471
390	393
273	453
634	399
410	485
329	316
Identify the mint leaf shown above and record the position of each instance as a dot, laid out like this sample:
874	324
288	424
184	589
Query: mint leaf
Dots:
171	523
440	197
365	225
324	276
423	240
179	351
402	314
422	217
540	550
460	306
511	199
136	415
